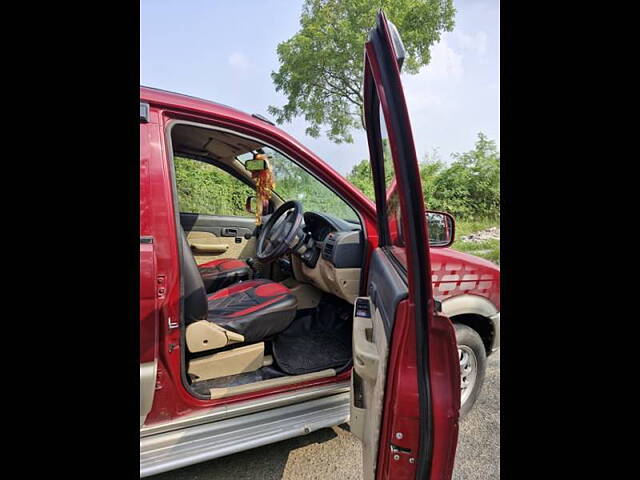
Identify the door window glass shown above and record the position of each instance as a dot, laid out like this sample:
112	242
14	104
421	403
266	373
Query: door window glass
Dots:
208	190
392	198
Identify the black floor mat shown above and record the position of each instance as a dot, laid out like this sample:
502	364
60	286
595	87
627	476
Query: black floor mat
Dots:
316	340
264	373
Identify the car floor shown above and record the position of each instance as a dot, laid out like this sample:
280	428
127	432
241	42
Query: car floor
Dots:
316	340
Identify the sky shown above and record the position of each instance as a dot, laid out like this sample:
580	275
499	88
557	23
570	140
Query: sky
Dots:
225	52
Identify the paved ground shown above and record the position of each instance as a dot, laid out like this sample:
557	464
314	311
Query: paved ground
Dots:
335	453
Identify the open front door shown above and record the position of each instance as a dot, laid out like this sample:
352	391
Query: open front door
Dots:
405	386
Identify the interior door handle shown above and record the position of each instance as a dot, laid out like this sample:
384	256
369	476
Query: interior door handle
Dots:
210	247
229	232
365	352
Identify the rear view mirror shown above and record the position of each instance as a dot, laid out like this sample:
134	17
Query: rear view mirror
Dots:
255	165
441	227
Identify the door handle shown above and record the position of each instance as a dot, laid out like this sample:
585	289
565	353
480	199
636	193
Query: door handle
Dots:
210	247
229	232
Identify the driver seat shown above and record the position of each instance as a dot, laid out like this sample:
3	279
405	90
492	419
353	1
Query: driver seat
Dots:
245	312
223	272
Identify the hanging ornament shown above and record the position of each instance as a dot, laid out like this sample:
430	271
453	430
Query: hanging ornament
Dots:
265	184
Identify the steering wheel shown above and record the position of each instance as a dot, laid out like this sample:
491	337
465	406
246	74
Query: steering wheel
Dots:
282	233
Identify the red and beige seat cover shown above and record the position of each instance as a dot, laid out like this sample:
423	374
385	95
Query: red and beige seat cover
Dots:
255	309
223	272
244	312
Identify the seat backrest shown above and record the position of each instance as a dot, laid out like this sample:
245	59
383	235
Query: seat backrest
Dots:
194	293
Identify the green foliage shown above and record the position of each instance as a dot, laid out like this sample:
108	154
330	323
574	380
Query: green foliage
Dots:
430	169
465	227
489	249
362	177
206	189
294	183
469	188
321	65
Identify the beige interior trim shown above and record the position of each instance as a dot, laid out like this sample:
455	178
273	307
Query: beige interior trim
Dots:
347	282
274	382
314	275
268	360
204	335
296	265
342	282
370	352
307	295
208	246
232	362
148	373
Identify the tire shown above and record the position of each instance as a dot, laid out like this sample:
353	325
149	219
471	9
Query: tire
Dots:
473	360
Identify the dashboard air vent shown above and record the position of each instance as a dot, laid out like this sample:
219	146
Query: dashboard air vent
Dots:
327	251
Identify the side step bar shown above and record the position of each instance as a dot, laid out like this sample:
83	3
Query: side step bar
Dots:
176	449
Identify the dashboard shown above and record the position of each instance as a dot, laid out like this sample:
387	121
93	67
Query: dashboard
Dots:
320	225
333	255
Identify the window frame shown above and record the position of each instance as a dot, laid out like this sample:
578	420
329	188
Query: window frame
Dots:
169	123
173	122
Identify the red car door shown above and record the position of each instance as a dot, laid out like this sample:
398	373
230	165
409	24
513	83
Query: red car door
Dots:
405	386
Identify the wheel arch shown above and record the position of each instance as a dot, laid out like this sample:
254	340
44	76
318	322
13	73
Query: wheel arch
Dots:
477	313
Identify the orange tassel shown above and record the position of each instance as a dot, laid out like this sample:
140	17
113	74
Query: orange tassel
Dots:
264	186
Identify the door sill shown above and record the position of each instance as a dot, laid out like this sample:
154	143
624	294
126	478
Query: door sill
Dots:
217	393
179	448
246	407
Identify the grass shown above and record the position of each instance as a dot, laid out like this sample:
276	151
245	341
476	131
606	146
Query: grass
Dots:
487	249
465	227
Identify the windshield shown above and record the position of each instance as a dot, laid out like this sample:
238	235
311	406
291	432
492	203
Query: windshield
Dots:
295	183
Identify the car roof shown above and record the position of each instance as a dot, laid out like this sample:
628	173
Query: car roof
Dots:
188	102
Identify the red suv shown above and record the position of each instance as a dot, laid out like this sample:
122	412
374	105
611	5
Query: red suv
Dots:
324	313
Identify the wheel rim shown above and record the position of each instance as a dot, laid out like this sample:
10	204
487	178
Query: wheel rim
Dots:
468	372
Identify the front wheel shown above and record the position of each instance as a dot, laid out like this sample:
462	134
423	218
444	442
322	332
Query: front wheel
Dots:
473	364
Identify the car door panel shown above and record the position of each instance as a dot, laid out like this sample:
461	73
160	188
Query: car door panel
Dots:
215	236
405	385
371	343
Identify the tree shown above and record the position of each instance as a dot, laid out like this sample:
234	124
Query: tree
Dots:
430	169
470	187
321	65
360	174
206	189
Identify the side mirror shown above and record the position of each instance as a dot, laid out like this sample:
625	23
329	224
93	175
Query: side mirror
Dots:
441	227
251	204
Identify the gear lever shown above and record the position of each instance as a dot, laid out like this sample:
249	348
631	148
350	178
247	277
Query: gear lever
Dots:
252	262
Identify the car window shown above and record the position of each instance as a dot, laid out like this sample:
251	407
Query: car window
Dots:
208	190
295	183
